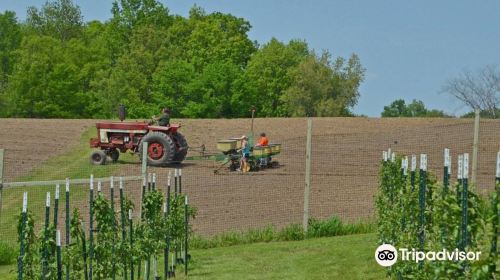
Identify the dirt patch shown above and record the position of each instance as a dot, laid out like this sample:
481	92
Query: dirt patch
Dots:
30	142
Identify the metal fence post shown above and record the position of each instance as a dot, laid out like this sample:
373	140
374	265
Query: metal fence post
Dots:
1	181
307	188
475	147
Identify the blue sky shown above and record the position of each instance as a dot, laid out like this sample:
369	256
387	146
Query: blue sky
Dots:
409	48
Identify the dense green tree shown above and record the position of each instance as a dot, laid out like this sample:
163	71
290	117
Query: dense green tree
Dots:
217	37
211	92
10	39
42	80
135	13
54	65
171	81
416	108
321	88
269	73
61	19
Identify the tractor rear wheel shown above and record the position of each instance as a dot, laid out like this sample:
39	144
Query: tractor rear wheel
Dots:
182	147
161	148
98	157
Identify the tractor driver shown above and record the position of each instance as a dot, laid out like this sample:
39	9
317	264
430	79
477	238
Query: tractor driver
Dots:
164	119
263	141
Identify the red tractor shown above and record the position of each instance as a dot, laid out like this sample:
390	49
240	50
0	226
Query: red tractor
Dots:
165	144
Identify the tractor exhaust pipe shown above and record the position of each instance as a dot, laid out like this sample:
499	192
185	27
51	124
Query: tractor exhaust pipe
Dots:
122	112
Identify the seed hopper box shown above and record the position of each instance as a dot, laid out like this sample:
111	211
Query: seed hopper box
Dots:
226	145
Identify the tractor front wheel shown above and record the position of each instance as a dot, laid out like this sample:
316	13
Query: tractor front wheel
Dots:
161	148
98	157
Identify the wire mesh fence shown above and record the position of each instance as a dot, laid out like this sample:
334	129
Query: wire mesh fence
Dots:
345	162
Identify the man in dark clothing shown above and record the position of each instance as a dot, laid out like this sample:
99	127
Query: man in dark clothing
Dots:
164	119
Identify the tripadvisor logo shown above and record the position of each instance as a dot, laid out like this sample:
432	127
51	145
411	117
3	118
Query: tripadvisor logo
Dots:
387	255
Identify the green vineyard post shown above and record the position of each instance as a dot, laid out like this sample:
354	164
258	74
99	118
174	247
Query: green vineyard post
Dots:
112	201
392	185
84	252
124	233
413	173
465	235
460	171
176	174
496	220
143	193
68	218
149	182
446	173
176	241
45	253
165	250
144	159
153	184
180	180
144	186
404	165
186	232
56	207
131	245
421	198
465	176
1	180
446	170
91	225
167	237
24	217
58	252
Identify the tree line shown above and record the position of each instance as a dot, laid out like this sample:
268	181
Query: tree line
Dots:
55	65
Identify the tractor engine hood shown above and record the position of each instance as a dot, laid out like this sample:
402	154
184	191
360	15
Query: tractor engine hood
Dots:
131	126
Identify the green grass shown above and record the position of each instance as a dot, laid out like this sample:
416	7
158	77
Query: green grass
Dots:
332	226
73	164
343	257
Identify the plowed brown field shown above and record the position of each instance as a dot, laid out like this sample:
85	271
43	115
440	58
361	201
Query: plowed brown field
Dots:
345	160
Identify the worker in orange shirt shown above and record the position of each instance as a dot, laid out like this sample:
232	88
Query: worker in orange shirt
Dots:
263	141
